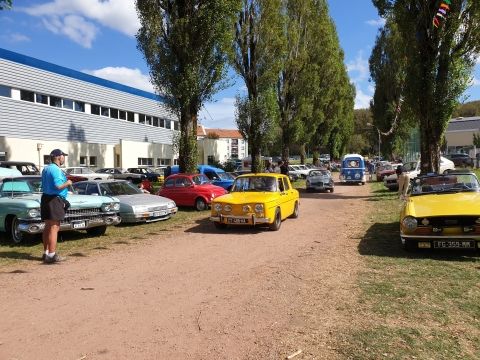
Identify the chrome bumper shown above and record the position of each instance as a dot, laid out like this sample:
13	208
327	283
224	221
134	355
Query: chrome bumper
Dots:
36	227
149	216
240	220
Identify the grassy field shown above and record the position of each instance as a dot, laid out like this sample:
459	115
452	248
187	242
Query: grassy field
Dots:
77	243
421	305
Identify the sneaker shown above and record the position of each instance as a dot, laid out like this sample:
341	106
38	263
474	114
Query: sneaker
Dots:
54	259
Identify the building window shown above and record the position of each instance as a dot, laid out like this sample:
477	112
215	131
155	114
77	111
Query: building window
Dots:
5	91
161	162
55	101
122	115
155	121
3	156
105	111
168	124
148	120
83	161
176	125
210	159
41	99
162	123
27	95
145	162
130	116
68	104
95	109
141	118
114	113
46	159
79	106
175	161
92	161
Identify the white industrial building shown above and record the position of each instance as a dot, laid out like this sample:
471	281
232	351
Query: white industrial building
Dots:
99	123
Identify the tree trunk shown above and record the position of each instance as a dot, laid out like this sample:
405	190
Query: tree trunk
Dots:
302	154
188	153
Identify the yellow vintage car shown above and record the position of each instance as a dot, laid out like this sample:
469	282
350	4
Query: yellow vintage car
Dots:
256	199
442	211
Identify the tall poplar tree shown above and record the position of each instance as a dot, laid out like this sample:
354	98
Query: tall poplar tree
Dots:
5	4
255	58
184	44
439	63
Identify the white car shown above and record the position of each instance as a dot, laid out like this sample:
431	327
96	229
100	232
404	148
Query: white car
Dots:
413	170
301	170
87	173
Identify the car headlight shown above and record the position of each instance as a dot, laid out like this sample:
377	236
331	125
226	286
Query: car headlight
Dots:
357	176
171	205
106	207
34	213
410	222
227	208
116	206
246	208
218	207
258	207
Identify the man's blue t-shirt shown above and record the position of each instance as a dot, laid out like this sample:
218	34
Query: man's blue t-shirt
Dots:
53	176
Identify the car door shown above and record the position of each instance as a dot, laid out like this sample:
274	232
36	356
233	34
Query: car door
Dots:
287	197
185	190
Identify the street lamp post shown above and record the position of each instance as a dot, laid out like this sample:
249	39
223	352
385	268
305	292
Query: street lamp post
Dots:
39	148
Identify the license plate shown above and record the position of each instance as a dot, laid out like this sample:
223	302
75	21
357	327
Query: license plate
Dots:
79	225
159	213
460	244
237	221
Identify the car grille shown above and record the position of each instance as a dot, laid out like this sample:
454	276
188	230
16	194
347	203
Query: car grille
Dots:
450	221
83	214
158	208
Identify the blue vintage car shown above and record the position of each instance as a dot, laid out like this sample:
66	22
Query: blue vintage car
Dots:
20	210
216	175
353	169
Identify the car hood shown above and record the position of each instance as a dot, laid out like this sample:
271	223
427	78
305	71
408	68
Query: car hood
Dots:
143	199
459	204
76	201
241	197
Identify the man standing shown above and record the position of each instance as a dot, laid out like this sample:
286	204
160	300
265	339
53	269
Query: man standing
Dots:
283	167
54	204
403	180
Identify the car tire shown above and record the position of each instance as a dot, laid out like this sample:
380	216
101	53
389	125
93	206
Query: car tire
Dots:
16	235
332	189
277	221
200	204
295	211
97	231
219	225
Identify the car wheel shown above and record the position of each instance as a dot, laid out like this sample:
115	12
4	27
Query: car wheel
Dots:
331	190
277	222
219	225
15	234
295	211
97	231
200	204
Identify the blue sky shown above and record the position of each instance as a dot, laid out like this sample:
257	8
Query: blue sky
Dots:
98	37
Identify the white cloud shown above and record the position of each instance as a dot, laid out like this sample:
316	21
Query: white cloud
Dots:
362	100
475	82
125	76
80	17
359	67
376	22
15	38
220	114
74	27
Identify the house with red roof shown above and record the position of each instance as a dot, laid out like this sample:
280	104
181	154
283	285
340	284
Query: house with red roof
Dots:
220	145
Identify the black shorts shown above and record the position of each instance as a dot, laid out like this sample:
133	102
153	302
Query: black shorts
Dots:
52	207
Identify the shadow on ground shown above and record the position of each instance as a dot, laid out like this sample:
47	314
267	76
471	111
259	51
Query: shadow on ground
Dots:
205	226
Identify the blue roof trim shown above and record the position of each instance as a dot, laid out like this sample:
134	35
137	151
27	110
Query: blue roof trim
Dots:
57	69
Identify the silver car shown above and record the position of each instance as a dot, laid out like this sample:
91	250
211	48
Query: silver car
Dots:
320	180
135	206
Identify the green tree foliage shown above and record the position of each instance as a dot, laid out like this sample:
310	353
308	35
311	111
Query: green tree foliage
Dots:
5	4
439	63
184	44
315	97
255	57
468	109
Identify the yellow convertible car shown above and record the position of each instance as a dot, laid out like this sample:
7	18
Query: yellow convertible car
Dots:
442	211
256	199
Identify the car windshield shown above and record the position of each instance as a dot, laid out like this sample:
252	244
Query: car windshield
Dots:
119	188
200	179
15	187
223	176
255	183
449	183
319	173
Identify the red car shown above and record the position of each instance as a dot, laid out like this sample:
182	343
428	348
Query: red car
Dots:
191	190
75	178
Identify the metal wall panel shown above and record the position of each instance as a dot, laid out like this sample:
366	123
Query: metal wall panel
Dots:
29	78
22	119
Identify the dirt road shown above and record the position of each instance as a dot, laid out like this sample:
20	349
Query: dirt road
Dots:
195	293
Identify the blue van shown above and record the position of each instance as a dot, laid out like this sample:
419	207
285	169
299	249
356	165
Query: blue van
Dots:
353	169
216	175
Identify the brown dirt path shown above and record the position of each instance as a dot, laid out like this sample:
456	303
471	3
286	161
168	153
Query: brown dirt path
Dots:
196	293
